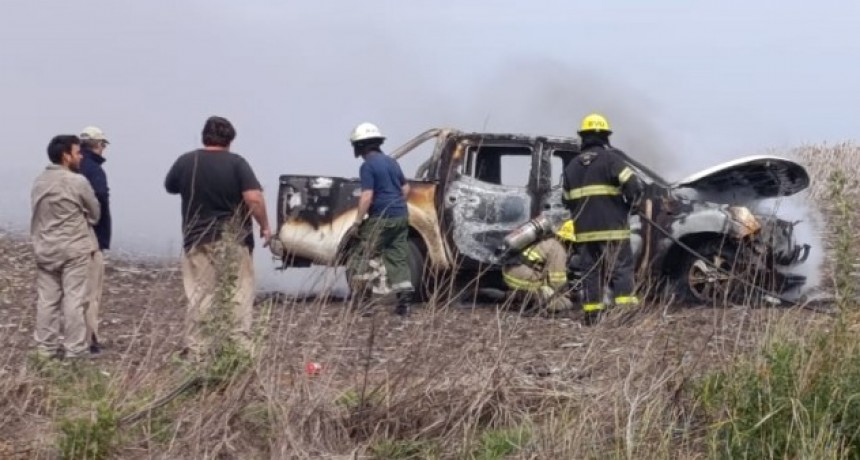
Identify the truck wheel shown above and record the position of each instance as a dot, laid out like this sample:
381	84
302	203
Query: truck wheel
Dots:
698	281
422	278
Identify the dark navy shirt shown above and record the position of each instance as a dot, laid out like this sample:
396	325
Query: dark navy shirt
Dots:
91	168
383	175
211	183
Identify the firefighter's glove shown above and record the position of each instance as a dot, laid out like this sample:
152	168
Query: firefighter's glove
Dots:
533	264
546	293
634	194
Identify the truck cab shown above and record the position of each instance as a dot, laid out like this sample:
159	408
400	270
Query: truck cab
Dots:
475	188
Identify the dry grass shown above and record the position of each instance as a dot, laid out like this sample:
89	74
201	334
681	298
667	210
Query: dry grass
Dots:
438	385
823	162
451	382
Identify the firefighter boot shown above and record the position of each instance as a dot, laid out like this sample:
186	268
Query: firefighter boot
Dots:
404	303
593	317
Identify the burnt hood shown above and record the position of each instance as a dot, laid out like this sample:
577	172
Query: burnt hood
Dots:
754	177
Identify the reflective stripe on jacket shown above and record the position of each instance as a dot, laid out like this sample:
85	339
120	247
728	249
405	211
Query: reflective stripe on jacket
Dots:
595	184
544	264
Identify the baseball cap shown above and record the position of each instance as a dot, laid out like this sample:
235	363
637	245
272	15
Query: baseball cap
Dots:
93	133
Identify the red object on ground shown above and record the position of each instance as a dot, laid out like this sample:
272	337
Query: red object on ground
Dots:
312	368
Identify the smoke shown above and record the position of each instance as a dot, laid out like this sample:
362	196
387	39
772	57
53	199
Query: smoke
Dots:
809	230
294	79
543	96
535	96
797	208
811	223
150	79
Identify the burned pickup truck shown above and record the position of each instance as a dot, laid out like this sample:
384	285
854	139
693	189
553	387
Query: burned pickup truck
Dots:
696	236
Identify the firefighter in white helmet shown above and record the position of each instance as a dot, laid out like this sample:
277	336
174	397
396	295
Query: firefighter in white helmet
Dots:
385	231
538	274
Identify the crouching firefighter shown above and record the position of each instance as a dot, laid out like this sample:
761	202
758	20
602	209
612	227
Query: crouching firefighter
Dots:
535	270
600	190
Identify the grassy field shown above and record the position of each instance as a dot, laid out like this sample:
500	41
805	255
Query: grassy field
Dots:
453	381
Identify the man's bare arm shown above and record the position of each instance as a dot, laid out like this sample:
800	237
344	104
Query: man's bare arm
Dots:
257	205
364	201
405	190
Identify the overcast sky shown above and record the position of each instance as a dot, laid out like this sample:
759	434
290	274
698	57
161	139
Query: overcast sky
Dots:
685	84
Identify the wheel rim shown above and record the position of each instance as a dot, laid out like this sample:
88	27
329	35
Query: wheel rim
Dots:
708	284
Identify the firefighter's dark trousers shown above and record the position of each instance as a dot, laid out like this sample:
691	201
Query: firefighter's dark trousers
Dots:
606	263
387	238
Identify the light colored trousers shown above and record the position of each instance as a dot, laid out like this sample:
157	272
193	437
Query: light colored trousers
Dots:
97	278
63	295
201	268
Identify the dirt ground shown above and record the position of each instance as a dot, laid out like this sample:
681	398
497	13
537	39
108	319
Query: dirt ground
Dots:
144	307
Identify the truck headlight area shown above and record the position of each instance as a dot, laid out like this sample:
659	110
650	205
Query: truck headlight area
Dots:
746	222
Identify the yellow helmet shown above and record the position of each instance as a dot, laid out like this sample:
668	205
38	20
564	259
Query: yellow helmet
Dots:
565	232
595	123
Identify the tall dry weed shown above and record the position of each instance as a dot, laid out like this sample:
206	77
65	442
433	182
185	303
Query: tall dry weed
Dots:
461	381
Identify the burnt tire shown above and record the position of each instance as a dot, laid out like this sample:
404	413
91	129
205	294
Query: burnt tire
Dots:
697	281
422	277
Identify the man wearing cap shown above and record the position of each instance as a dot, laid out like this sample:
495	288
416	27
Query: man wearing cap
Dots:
93	144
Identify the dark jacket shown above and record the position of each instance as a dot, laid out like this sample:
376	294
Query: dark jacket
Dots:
599	190
91	168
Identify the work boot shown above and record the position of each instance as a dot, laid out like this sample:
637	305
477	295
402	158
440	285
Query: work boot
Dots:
403	310
79	357
404	301
95	346
593	317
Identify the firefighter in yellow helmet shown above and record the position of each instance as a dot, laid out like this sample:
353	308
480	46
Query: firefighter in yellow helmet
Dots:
539	272
600	190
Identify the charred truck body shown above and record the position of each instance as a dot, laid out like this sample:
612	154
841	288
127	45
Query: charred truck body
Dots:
461	208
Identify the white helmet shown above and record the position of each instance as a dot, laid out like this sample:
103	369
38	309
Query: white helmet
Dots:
364	132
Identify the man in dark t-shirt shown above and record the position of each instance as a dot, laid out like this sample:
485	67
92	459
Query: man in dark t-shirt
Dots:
383	199
211	183
220	196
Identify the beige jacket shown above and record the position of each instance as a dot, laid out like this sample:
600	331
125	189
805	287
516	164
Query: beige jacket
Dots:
64	209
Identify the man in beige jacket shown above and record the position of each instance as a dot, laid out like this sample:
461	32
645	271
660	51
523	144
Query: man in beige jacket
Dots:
64	210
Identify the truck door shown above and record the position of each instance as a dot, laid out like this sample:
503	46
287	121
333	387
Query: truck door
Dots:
490	195
548	190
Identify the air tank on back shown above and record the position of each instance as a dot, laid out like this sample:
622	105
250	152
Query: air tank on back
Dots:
527	234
